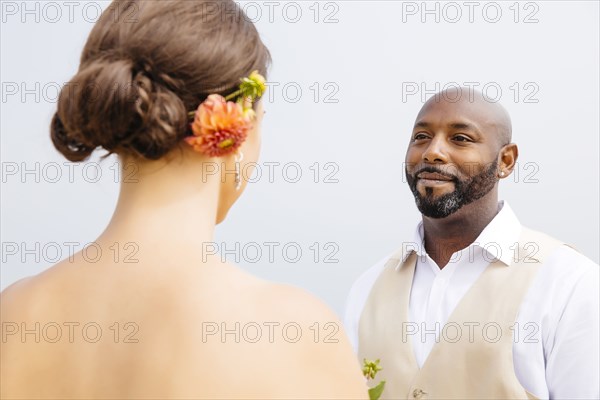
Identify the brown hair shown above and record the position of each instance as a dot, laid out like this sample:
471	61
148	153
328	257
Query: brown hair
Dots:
145	65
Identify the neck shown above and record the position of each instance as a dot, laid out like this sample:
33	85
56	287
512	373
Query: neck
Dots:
445	236
165	209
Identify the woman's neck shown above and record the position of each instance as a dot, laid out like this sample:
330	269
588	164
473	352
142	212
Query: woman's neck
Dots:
165	206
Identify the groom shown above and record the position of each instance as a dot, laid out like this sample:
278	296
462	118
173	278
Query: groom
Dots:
475	305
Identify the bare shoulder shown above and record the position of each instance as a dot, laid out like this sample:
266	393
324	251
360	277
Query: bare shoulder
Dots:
312	335
302	347
32	294
18	298
273	298
297	299
11	298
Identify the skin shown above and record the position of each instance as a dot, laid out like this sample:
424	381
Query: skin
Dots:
173	298
459	134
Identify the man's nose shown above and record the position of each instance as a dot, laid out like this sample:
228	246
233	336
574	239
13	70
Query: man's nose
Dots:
436	151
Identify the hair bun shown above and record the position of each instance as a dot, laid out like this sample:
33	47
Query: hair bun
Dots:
107	104
68	144
137	81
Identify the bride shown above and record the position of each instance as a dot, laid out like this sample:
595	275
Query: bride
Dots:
174	92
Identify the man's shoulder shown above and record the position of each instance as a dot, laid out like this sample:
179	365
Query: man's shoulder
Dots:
548	243
558	252
564	269
569	260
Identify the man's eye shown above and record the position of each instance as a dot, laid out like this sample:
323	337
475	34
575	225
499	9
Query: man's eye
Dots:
420	136
461	138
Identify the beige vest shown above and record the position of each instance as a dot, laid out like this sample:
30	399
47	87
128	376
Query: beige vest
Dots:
473	358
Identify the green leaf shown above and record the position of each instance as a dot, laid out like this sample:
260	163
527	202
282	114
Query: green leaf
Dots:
375	392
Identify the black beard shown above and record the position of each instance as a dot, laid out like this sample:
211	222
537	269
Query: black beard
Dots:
465	192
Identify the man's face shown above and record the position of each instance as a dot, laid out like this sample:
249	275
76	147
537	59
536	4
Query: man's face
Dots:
452	157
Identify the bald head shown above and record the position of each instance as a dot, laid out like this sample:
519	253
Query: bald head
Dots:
469	106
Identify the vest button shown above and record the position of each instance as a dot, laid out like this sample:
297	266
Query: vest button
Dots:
418	393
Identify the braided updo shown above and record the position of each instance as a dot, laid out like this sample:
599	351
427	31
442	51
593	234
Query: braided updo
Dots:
139	76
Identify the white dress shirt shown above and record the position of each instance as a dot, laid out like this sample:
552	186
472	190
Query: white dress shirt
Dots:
556	352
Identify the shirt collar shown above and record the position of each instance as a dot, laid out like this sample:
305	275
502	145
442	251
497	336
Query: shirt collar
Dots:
498	238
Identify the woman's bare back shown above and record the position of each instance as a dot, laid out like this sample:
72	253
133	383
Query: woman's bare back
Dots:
107	330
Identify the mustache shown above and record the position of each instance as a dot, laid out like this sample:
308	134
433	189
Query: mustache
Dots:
434	170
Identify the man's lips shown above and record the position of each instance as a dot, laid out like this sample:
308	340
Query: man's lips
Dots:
433	176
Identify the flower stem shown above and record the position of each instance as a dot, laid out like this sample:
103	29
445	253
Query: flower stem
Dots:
233	95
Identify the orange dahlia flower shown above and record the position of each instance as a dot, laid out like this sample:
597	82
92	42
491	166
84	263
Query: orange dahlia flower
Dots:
219	127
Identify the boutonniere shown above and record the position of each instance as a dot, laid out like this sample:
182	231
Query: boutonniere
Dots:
370	369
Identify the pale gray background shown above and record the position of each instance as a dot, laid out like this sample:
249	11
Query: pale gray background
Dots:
368	53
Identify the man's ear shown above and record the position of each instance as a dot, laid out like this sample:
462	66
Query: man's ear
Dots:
507	159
